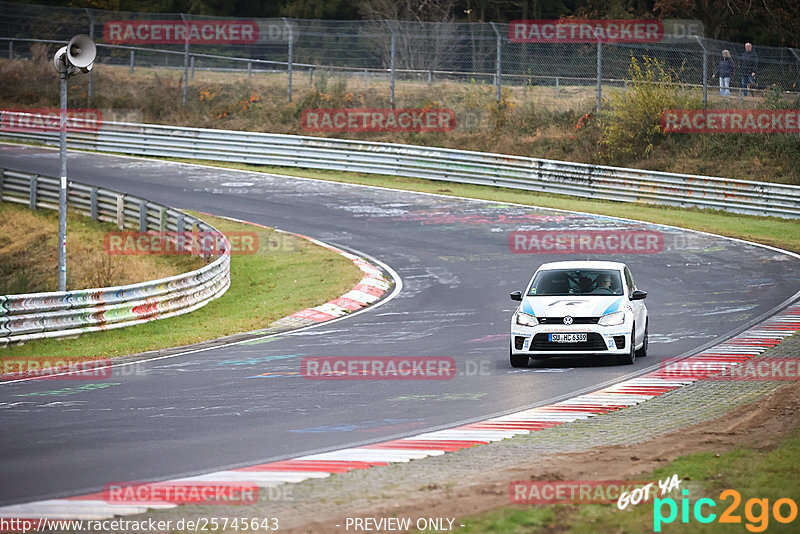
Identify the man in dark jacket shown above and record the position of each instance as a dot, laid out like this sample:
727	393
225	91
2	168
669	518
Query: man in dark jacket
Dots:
749	65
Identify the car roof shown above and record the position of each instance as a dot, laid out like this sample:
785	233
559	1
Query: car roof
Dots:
582	265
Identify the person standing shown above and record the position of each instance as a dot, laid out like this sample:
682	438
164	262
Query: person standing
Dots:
725	70
749	68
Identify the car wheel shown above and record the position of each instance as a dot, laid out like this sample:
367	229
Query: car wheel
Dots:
643	351
517	360
628	359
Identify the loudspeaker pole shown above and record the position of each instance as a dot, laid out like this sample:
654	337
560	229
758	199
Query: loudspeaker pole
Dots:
62	191
77	56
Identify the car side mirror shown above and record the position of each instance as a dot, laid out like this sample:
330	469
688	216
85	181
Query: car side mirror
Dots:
516	295
639	295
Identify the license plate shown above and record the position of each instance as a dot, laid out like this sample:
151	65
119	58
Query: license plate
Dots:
566	338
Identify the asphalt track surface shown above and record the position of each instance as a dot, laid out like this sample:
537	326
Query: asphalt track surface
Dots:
233	406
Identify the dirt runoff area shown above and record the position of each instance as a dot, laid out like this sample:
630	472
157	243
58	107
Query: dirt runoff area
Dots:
761	425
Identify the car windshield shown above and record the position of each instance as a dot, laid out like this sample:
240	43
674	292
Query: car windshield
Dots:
576	282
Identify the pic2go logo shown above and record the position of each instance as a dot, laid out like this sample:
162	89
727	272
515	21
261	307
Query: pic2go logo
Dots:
756	511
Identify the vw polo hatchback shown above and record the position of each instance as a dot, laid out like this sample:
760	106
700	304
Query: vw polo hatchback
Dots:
575	308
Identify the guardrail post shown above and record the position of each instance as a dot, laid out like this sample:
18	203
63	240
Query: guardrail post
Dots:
120	212
162	219
93	203
181	228
34	186
2	177
393	47
291	53
142	215
133	57
498	68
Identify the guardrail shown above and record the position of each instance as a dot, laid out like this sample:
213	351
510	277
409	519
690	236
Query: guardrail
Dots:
532	174
66	313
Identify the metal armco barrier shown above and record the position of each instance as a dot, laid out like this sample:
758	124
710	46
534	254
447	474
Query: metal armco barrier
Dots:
67	313
548	176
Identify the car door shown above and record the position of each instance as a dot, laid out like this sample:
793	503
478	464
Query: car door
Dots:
639	309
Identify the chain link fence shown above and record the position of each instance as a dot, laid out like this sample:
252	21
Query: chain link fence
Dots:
398	53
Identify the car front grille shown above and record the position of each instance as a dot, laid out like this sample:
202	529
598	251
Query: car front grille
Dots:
594	342
560	320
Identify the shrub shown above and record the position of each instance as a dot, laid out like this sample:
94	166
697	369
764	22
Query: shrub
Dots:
631	124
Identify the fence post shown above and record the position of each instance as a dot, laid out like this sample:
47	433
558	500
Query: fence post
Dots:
291	53
91	72
10	49
133	58
392	51
498	68
705	71
599	74
557	87
797	56
249	69
191	64
185	61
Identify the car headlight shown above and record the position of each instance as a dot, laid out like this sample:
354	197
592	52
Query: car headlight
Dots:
612	319
523	319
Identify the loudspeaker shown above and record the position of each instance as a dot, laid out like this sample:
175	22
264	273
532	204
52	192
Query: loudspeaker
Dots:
81	51
59	60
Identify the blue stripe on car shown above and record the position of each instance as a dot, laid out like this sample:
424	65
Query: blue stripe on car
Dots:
614	306
527	308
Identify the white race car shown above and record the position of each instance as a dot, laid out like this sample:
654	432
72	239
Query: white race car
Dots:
579	308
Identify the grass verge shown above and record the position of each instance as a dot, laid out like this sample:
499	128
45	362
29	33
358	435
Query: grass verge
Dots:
755	475
29	254
285	275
